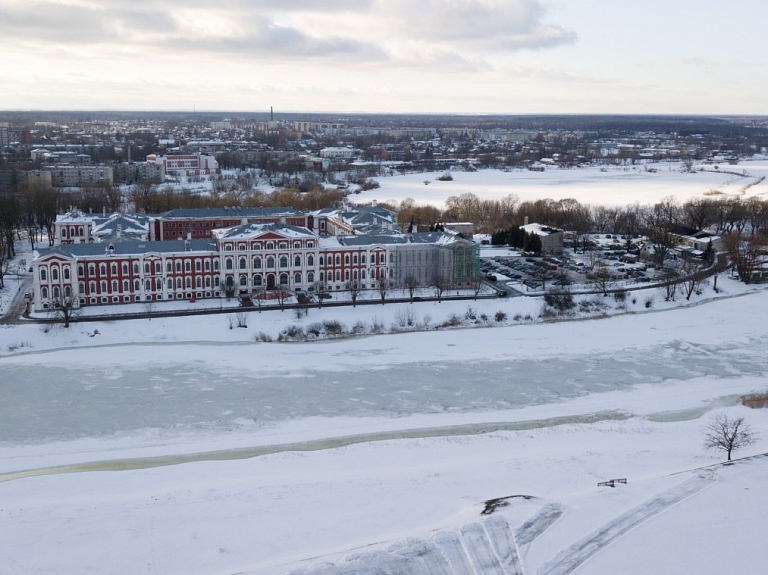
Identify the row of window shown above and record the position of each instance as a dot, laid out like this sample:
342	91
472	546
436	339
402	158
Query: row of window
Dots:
148	268
199	266
258	280
329	260
195	233
71	232
149	285
172	225
270	262
54	274
228	247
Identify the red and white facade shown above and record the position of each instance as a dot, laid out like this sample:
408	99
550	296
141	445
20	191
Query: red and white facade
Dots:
97	274
186	164
242	260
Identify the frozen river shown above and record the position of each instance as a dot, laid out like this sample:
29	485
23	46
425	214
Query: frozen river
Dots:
43	402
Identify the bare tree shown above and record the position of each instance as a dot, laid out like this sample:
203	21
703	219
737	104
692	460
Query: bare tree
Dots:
439	284
149	307
258	297
282	295
693	276
5	261
383	287
10	219
726	434
410	283
698	213
745	252
477	287
320	289
671	277
65	310
143	195
353	288
602	277
229	287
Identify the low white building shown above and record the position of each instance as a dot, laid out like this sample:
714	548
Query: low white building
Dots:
337	153
186	164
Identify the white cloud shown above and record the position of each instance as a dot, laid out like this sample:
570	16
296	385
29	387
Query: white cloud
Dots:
352	31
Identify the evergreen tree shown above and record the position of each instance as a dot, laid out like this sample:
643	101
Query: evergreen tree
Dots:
709	253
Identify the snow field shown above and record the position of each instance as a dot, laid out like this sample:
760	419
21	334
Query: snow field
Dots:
371	504
597	185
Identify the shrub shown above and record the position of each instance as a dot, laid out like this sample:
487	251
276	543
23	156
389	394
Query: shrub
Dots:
17	345
755	400
315	329
648	302
293	333
500	316
561	300
261	336
358	328
405	317
300	312
452	321
333	327
446	177
620	296
377	325
470	313
548	313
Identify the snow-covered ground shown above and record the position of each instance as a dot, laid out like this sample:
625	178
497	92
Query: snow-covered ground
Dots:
183	446
595	185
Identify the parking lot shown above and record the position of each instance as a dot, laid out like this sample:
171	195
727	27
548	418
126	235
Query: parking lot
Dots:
601	265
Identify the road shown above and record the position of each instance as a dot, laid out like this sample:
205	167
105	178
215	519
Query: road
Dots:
17	306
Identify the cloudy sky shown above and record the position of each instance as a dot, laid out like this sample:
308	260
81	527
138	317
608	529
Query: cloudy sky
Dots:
433	56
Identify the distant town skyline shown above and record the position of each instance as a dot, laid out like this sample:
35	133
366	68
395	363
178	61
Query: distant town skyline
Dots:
393	56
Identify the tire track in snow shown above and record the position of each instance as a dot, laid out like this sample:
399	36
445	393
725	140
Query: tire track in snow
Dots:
571	558
536	525
479	550
504	542
487	547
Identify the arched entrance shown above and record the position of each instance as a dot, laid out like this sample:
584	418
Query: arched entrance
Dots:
271	281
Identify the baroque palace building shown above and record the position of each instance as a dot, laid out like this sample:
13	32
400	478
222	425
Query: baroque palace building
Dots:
246	259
